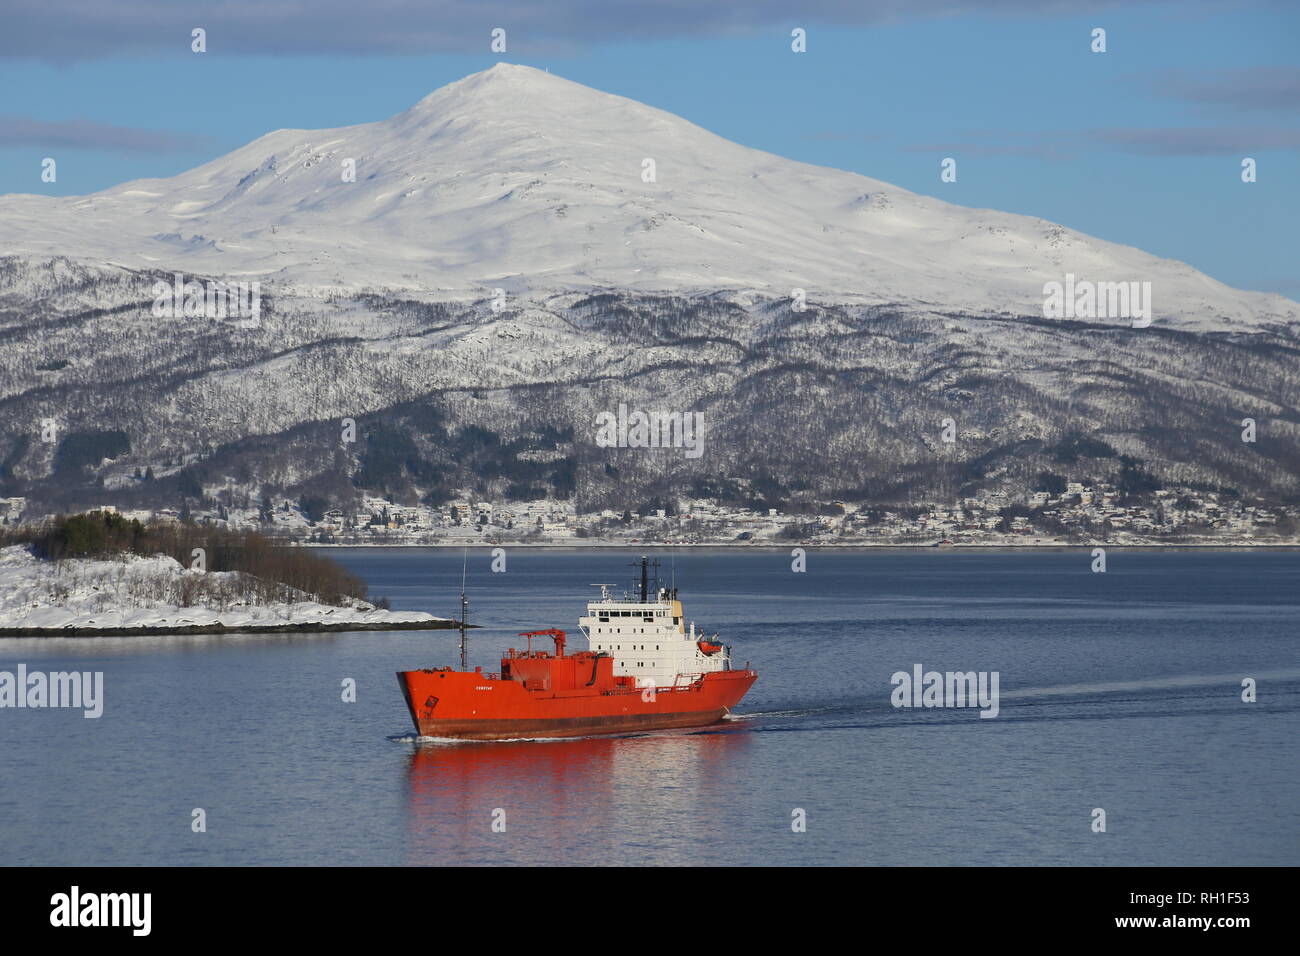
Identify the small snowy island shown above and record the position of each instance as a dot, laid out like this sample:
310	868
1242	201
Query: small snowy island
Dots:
45	591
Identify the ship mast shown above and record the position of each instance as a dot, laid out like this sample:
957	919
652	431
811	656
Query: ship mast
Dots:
645	564
464	612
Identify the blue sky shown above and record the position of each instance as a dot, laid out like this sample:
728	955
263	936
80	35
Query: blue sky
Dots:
1141	144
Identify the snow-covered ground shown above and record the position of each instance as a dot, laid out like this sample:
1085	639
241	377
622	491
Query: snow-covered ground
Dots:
137	592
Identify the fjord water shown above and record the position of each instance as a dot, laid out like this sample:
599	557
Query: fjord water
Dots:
1119	691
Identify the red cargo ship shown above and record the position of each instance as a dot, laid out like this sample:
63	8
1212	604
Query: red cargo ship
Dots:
644	669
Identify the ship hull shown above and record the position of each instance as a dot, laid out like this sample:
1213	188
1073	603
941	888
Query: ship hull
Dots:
508	729
469	706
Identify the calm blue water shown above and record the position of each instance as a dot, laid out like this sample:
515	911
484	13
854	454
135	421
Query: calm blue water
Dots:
1119	690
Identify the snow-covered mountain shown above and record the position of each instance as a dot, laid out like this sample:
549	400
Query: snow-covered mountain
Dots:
516	178
672	295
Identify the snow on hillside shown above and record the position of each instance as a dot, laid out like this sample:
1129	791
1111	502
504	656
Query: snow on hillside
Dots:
518	179
150	592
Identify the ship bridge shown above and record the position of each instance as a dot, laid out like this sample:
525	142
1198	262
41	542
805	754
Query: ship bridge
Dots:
648	636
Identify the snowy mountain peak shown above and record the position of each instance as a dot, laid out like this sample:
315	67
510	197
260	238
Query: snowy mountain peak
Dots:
504	79
510	100
518	178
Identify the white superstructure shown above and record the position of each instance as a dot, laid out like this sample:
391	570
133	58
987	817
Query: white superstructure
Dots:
650	639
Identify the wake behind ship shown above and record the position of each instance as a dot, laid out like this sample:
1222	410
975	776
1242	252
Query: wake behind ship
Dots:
644	668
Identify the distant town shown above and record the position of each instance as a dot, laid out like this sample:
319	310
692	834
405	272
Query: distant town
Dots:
1078	514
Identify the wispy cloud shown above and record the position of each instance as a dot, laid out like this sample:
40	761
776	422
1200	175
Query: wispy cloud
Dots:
1142	141
1258	88
1201	141
1286	287
78	30
849	136
1049	146
85	134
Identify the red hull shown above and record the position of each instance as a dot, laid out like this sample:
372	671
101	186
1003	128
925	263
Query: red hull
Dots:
475	706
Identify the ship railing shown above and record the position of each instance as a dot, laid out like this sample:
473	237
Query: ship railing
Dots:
693	684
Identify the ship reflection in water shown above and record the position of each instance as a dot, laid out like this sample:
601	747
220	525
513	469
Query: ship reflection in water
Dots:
657	798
